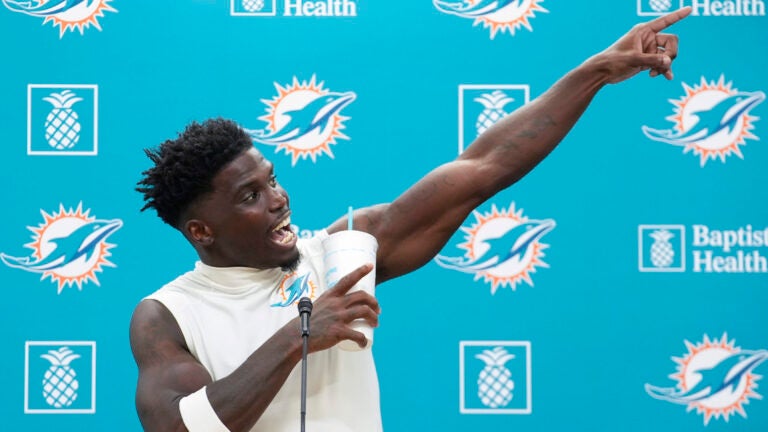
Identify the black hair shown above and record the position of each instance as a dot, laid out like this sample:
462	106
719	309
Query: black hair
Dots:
185	167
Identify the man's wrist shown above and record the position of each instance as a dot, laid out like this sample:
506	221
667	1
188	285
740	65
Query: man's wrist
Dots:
597	68
291	341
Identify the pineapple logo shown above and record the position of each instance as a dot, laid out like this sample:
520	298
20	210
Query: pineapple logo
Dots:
67	15
62	130
502	247
252	8
714	377
487	372
496	15
60	377
655	7
303	119
661	248
493	102
712	120
69	247
60	380
494	384
62	119
662	252
660	6
253	5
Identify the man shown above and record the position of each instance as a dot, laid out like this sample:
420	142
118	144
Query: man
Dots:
216	348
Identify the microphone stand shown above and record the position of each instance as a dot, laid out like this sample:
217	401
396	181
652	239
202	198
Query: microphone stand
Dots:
304	381
305	310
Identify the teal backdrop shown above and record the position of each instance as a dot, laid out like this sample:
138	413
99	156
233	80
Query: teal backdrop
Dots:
637	301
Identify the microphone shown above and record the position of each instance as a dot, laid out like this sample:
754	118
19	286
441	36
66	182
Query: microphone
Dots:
305	310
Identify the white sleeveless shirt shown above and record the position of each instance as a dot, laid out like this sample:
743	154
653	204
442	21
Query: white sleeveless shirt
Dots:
227	313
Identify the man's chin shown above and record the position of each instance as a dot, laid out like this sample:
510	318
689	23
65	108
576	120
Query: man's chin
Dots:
291	266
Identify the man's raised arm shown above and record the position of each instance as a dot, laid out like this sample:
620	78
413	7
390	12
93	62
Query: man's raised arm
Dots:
413	228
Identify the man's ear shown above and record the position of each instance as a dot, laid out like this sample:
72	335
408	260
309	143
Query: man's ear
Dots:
199	232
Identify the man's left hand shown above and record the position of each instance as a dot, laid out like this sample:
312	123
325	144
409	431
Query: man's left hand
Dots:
644	48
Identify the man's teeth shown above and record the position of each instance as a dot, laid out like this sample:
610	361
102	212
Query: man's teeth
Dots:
287	238
283	224
285	235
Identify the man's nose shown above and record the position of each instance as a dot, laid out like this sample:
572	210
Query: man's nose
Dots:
278	198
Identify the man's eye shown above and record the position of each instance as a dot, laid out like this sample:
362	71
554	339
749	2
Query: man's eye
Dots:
273	181
250	196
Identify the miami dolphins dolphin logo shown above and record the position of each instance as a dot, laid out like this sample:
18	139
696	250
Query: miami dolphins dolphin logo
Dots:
292	288
66	14
69	247
498	15
503	247
82	242
303	119
715	377
712	120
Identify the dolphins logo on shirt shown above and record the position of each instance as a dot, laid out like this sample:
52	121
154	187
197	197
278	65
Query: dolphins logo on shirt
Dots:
292	287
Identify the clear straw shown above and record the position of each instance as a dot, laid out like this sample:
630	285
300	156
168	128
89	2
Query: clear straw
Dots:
349	218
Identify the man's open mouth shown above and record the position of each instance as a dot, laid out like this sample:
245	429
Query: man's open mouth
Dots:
282	233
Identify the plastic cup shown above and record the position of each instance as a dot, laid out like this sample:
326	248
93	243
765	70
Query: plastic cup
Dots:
345	251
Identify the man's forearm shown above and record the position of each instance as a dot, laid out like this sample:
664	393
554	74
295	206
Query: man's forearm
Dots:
242	397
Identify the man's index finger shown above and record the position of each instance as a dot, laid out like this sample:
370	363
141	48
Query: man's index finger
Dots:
667	20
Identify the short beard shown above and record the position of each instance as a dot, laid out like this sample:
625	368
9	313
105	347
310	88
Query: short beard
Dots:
291	267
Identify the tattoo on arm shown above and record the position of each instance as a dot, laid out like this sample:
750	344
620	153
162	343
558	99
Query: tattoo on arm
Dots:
538	125
508	146
421	194
527	133
426	191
